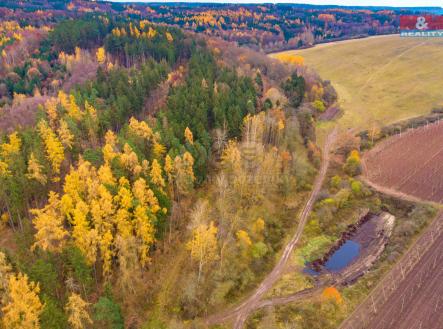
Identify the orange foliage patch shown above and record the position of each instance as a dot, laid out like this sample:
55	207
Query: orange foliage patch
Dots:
291	59
332	293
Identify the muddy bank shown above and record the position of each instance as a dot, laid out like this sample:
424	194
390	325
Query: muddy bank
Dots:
357	249
353	231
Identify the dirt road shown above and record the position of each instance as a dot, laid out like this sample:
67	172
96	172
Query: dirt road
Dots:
418	300
242	311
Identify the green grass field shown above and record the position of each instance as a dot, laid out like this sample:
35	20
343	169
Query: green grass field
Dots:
380	80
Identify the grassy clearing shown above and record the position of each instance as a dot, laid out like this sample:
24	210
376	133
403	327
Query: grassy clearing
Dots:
379	80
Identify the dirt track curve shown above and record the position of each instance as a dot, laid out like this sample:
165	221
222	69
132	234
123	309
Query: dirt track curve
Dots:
241	312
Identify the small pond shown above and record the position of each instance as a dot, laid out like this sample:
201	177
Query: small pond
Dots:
356	250
345	255
341	258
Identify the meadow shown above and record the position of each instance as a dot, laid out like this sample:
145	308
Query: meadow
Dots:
379	80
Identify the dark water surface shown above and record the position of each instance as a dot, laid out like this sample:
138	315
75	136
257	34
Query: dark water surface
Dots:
341	258
347	253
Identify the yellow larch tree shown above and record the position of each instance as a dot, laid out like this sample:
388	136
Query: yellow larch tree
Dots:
169	168
73	109
169	171
169	37
203	246
4	169
77	311
5	273
65	135
110	138
102	210
231	157
140	128
152	202
124	201
106	176
81	186
188	162
158	150
124	196
101	55
54	148
85	237
11	148
145	232
188	136
129	159
151	33
244	242
51	111
78	54
23	307
107	252
184	173
116	32
35	170
63	99
258	228
145	195
243	238
143	24
109	151
139	189
75	185
156	174
48	222
145	166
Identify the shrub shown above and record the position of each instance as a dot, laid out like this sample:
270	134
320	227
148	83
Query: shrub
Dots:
259	249
319	106
335	181
353	164
356	187
332	293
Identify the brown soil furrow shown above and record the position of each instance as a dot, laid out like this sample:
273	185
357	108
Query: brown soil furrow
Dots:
411	164
414	302
405	287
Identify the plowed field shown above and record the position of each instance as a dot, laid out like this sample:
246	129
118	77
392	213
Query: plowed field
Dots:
418	300
411	163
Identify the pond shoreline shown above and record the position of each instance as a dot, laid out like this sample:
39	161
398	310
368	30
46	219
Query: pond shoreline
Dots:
371	232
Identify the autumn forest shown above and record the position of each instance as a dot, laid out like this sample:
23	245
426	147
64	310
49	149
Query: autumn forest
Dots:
158	170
